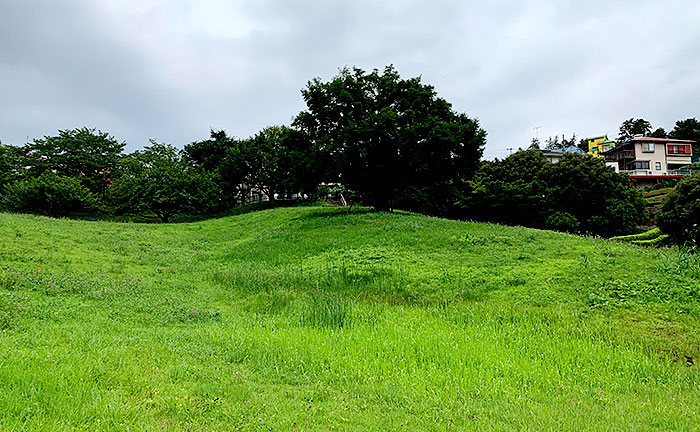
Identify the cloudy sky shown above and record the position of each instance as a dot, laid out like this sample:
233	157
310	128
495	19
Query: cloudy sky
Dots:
172	69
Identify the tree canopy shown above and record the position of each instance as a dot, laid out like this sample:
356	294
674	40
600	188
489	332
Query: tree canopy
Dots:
578	194
631	127
392	141
688	129
158	180
86	154
680	214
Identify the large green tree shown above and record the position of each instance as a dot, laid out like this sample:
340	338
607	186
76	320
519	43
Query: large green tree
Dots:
688	129
89	155
631	127
218	157
391	140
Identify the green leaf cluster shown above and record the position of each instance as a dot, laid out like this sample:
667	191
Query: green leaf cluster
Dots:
578	194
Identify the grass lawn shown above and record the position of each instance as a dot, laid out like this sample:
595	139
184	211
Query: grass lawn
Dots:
313	319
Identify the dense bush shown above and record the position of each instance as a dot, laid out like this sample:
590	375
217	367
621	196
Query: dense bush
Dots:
49	194
680	214
578	194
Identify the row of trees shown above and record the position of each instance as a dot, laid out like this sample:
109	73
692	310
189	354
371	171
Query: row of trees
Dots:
392	142
84	170
578	194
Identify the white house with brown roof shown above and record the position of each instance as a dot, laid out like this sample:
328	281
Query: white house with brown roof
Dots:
648	160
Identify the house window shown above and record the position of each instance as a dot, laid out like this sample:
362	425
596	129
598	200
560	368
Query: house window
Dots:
648	147
658	166
639	165
679	149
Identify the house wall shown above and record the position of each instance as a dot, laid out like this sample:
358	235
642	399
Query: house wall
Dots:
657	156
659	162
596	145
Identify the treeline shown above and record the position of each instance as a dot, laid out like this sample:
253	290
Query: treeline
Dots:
578	194
387	142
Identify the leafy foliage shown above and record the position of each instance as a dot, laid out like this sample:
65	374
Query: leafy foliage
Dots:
391	140
49	194
688	129
218	157
10	171
631	127
86	154
680	215
278	161
577	194
158	180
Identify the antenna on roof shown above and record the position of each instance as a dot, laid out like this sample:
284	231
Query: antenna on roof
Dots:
537	131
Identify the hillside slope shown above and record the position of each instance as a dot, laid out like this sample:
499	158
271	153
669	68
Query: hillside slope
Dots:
314	319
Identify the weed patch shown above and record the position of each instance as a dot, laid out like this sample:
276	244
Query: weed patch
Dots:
327	310
617	292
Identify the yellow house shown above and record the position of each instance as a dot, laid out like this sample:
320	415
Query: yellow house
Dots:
597	145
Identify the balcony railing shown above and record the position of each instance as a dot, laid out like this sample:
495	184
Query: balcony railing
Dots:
652	173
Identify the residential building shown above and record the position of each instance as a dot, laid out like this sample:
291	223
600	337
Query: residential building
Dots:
649	160
554	156
598	145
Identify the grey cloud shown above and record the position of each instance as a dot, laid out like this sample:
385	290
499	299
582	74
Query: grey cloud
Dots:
171	69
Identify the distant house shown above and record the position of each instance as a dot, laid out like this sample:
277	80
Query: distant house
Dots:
598	145
554	156
649	160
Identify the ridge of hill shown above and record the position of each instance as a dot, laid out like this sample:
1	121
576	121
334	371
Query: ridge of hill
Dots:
316	319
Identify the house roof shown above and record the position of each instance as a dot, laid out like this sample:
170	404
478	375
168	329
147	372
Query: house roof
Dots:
573	149
595	138
632	141
660	140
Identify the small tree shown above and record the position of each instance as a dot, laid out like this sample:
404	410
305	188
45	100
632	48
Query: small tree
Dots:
215	156
159	181
278	161
680	214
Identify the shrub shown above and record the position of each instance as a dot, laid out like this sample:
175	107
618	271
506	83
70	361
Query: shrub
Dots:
49	194
579	193
562	221
680	214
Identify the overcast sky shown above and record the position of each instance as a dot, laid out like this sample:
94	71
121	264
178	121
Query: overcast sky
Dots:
173	69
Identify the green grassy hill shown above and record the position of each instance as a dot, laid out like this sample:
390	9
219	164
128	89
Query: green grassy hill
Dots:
313	319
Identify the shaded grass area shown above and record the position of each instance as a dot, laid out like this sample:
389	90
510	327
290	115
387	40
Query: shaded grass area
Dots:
315	319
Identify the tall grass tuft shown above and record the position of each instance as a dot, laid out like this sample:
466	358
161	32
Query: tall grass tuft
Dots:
327	310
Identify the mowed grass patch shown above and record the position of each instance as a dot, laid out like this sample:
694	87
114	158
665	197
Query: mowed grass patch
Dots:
315	319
